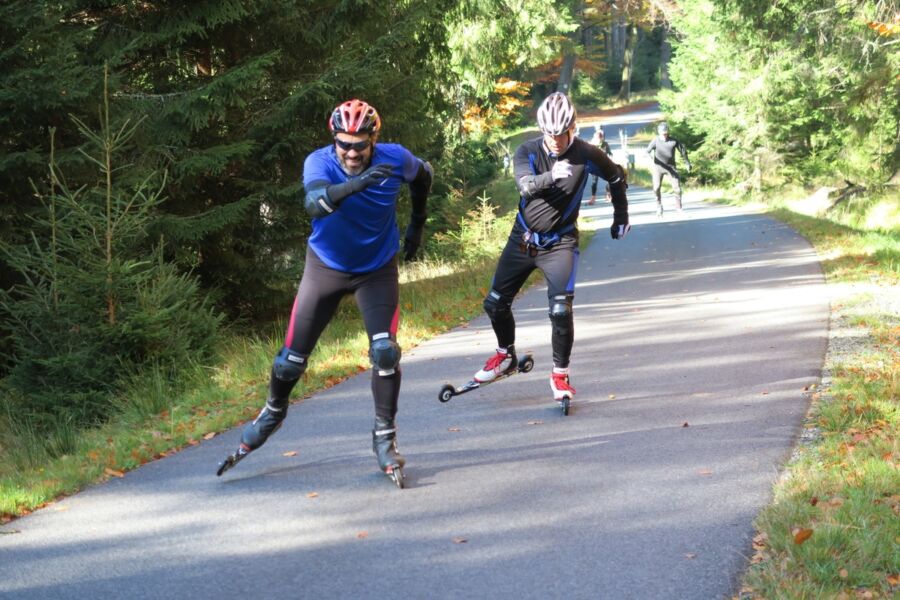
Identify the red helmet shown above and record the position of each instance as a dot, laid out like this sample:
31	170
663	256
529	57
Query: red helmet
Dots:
354	116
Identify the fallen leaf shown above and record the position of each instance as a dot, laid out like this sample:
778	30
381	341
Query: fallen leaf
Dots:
814	500
209	435
690	555
290	453
704	472
193	442
453	429
765	393
894	579
312	495
843	574
801	535
362	534
460	540
113	472
535	422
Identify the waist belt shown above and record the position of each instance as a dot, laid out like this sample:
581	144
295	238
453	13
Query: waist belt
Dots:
534	240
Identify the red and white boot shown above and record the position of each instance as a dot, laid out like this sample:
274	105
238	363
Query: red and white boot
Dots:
562	391
502	361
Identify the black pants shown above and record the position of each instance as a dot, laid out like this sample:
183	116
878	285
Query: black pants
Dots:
659	171
321	288
558	265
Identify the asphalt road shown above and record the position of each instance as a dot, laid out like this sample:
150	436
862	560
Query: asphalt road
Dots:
695	337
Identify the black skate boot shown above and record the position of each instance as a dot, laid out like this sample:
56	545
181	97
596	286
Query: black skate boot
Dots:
257	432
233	459
384	445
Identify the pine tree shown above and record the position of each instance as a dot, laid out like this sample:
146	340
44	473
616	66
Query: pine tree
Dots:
97	302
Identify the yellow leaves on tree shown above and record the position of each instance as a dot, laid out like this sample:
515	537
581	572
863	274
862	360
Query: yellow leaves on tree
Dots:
886	29
508	98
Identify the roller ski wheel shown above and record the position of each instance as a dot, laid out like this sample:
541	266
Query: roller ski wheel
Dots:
447	392
396	475
232	459
563	392
523	365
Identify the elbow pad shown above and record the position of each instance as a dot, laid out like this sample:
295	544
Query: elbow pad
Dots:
532	185
318	204
421	185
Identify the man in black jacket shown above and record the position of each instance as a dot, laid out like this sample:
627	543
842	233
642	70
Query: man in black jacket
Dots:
662	150
551	173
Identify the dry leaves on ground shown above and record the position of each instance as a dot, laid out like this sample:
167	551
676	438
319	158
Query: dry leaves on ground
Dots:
801	534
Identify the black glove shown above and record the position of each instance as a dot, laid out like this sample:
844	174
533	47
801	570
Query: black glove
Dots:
371	176
412	240
619	230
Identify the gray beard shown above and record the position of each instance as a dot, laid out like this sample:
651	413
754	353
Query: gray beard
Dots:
355	171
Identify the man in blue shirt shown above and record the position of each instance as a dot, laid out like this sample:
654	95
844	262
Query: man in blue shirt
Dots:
351	194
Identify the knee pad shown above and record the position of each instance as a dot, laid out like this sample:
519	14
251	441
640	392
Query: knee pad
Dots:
384	354
289	365
265	424
496	306
561	313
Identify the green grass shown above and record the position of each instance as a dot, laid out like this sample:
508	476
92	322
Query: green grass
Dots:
833	528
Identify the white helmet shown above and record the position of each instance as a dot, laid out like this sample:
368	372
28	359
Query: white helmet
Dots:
556	114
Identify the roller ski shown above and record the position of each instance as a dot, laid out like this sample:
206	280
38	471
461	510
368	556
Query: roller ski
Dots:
384	445
562	391
500	366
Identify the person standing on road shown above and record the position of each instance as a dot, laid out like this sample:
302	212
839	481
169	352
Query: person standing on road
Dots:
662	150
550	172
351	187
598	139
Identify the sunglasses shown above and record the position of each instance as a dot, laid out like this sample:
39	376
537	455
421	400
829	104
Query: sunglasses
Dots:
358	146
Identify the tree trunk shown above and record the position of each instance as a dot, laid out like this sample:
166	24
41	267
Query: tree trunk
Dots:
620	39
665	55
630	43
566	73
